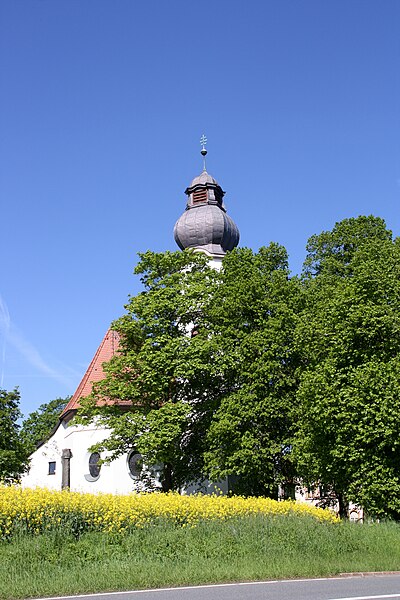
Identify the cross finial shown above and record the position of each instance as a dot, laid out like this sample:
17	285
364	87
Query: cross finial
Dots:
203	142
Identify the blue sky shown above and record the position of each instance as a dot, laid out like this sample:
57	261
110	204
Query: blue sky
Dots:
102	105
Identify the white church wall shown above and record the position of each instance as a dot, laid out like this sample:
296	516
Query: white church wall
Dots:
113	478
39	473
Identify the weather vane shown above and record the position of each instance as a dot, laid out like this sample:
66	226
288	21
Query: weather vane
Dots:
203	142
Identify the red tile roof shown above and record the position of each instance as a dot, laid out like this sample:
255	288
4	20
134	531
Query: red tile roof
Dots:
108	347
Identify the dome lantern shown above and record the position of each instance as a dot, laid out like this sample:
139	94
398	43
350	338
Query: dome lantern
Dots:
205	225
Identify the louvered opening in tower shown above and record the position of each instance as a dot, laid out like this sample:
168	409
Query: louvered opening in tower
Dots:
218	195
200	196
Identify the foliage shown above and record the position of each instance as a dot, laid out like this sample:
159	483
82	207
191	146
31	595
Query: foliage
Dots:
250	334
266	379
38	426
350	391
157	371
217	403
13	458
333	251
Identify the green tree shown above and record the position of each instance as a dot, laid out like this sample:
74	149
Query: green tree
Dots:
252	320
39	425
350	343
332	252
157	373
13	456
207	370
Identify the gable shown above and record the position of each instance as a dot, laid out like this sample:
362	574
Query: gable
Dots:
95	372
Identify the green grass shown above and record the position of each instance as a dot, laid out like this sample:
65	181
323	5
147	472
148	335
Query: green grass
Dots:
165	555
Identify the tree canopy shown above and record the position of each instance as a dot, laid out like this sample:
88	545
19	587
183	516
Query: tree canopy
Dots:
157	370
13	456
261	377
251	320
207	363
349	388
39	424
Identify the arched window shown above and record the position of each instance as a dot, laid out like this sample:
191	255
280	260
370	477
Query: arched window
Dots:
135	464
94	466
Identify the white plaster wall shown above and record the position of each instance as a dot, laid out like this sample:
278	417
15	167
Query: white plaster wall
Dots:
114	477
216	263
215	260
39	463
356	513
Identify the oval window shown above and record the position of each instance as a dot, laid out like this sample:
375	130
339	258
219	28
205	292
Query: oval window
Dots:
135	463
94	466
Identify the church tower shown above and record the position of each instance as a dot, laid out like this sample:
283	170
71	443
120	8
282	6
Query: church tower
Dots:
205	225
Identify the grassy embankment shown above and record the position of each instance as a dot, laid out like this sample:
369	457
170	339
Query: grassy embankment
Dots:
175	541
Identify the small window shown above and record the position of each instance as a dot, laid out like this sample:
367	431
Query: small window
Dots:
52	467
94	466
135	463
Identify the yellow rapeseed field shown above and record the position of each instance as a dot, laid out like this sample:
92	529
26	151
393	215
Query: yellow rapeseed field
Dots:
38	510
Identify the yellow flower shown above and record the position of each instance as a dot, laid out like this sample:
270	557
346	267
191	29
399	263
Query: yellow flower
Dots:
36	510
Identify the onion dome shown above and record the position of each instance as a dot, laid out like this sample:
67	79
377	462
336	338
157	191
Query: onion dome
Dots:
204	224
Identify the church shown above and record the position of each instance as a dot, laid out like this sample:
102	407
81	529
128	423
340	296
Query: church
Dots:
65	461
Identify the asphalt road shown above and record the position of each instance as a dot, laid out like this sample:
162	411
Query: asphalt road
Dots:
369	587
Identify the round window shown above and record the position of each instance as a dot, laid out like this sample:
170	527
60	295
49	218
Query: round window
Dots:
94	466
135	463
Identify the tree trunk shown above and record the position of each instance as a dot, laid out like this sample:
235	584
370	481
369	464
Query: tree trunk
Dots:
167	478
343	506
